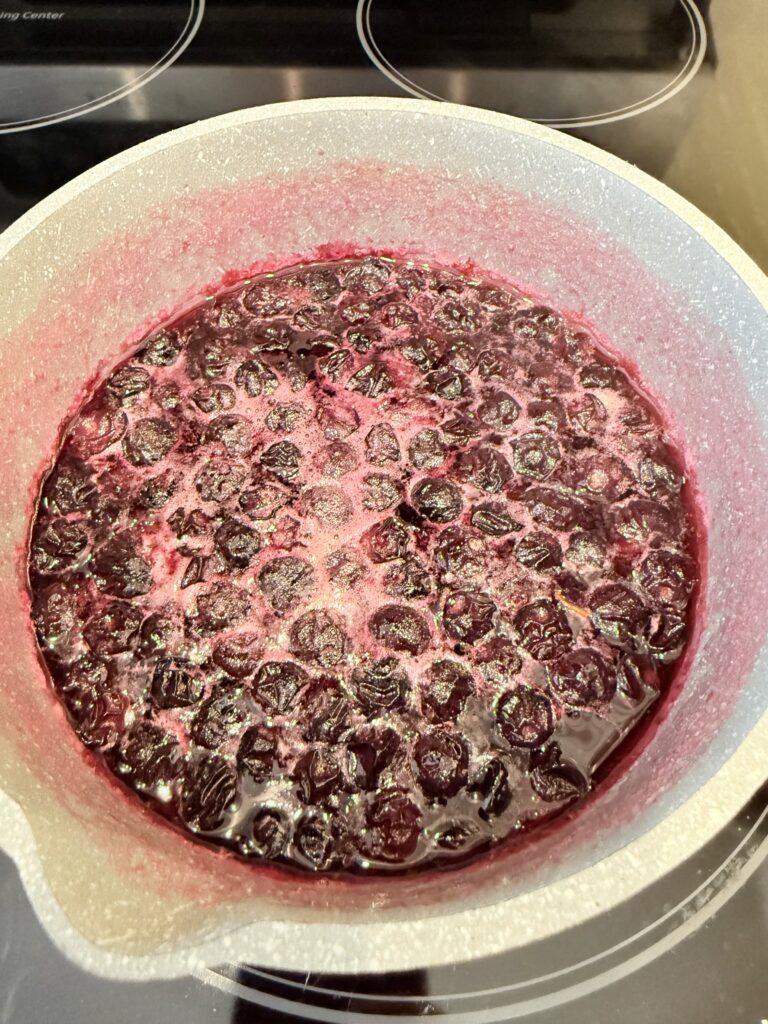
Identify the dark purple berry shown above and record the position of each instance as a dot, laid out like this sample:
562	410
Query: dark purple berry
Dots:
222	607
499	661
408	579
220	479
536	455
441	759
318	775
148	441
237	654
540	551
220	716
485	468
238	543
619	615
498	410
468	616
372	380
438	500
458	552
209	787
283	459
286	581
400	628
314	842
318	636
269	834
525	716
444	690
554	781
448	384
114	629
372	750
381	445
583	677
277	685
493	518
96	429
119	571
255	378
393	827
543	630
380	685
161	350
383	492
427	450
213	398
150	757
386	541
492	785
173	686
667	577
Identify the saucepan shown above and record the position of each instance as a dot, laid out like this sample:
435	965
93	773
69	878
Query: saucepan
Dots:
85	272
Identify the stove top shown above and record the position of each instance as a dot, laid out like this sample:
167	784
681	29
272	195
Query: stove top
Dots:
675	86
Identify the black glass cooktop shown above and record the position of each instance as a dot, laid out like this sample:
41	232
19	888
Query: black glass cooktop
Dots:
93	78
675	86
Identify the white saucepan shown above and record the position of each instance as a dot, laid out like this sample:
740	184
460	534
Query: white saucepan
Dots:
140	236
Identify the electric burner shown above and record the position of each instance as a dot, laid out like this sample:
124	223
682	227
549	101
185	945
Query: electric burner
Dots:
73	58
566	63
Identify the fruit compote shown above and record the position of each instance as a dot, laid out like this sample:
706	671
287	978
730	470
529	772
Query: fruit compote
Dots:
363	565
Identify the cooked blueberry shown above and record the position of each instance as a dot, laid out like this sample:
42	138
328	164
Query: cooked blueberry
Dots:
468	615
525	716
400	628
441	759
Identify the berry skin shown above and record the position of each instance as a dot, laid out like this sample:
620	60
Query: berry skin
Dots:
525	716
441	759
